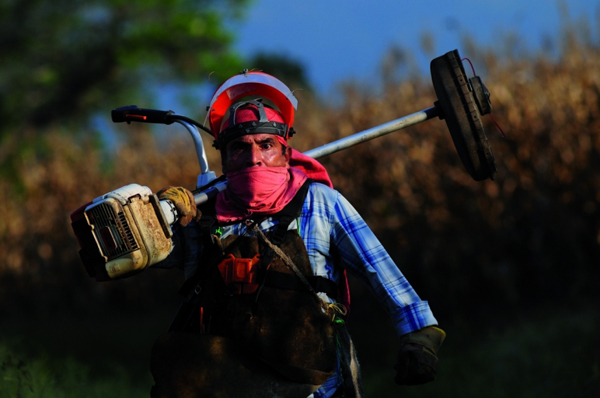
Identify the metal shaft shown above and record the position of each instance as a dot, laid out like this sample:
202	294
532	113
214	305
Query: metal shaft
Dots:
371	133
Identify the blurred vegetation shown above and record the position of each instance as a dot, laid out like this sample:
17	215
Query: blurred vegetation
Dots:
63	59
509	266
547	354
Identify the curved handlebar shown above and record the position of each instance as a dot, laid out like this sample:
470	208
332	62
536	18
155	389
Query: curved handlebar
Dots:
132	113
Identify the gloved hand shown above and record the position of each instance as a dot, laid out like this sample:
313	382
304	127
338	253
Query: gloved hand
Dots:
184	203
417	360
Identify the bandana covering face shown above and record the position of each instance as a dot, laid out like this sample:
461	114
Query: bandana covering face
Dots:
257	191
310	167
262	191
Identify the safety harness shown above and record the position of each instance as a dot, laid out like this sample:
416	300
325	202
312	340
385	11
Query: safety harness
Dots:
248	275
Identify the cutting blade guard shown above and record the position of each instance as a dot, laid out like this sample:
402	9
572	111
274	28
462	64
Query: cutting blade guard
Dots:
461	104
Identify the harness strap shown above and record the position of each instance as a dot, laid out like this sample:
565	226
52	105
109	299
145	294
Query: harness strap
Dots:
290	212
285	259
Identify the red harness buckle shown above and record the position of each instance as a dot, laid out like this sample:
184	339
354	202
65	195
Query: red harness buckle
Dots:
240	273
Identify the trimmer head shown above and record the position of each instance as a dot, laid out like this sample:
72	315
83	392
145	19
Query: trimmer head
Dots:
461	103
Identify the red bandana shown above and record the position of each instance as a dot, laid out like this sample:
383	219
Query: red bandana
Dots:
257	191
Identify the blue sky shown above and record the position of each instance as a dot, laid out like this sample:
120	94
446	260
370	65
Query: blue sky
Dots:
346	39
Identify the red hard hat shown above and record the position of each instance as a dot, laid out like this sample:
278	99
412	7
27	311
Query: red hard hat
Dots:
251	84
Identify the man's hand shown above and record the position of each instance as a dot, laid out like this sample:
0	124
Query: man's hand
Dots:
417	360
184	203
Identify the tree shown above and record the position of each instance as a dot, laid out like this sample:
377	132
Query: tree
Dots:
62	59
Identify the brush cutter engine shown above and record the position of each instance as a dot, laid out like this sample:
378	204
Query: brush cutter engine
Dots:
123	232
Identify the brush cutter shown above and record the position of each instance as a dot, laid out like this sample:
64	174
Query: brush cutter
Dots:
127	230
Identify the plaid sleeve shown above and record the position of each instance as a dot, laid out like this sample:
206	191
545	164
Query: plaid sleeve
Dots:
339	225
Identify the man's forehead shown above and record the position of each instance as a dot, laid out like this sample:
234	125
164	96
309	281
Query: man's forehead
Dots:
258	138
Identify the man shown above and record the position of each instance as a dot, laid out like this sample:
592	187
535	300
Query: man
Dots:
266	266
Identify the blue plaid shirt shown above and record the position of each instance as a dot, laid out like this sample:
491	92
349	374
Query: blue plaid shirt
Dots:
329	221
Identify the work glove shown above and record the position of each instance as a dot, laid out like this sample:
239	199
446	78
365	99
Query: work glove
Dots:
184	203
417	360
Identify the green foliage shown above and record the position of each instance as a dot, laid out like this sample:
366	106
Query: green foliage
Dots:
62	59
68	356
41	376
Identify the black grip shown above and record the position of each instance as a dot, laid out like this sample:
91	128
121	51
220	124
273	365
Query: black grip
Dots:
134	114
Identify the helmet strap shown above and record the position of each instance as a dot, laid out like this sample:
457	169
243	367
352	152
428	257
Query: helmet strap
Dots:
262	126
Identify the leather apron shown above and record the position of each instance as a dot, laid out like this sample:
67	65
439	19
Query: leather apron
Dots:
276	342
